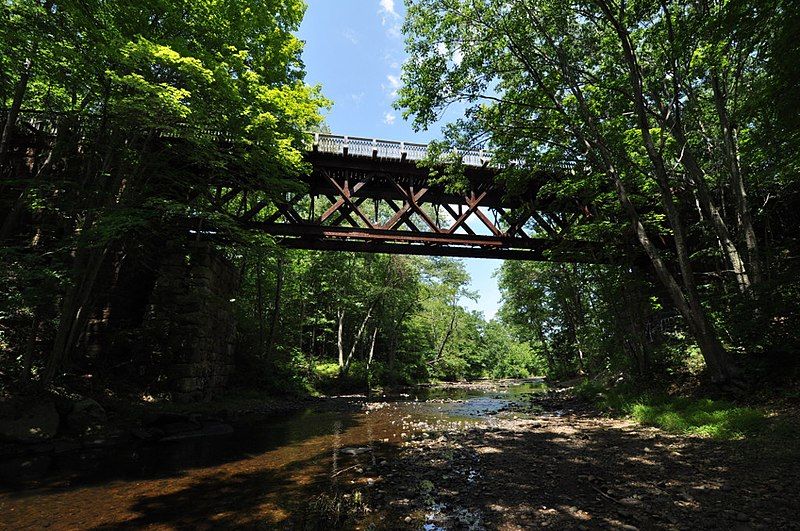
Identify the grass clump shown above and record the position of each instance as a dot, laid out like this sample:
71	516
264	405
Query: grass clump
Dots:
717	419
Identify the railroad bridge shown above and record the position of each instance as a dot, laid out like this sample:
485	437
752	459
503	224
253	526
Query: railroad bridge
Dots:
371	195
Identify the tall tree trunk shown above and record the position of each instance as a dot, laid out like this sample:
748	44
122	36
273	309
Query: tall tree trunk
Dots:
340	339
30	346
356	339
369	360
75	311
717	358
16	105
719	364
262	339
742	205
696	173
577	315
687	300
312	350
551	363
726	243
276	306
446	338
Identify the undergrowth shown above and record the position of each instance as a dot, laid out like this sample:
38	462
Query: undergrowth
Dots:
717	419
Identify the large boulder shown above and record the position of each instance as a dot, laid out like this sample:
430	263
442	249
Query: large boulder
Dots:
87	416
29	422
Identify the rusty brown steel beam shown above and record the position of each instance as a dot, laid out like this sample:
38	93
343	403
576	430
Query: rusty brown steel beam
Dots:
455	216
339	202
344	193
318	231
410	199
400	216
463	216
343	215
404	221
553	255
412	249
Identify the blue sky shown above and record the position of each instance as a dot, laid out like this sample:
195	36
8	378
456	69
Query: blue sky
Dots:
354	49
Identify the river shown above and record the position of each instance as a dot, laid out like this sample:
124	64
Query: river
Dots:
261	475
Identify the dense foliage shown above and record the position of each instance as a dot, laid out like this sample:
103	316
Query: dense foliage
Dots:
343	320
129	92
674	115
133	128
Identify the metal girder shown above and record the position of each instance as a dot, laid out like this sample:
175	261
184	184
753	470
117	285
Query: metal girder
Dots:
420	216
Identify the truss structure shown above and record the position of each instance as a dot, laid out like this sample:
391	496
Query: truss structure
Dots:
370	196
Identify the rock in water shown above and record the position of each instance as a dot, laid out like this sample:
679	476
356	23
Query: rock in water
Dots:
354	450
30	423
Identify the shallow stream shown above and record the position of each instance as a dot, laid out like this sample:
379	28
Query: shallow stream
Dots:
257	475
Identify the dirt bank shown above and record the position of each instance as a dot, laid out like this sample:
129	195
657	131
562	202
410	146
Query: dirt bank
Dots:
568	467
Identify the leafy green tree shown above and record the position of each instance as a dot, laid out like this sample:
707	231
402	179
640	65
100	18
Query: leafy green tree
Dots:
647	98
157	108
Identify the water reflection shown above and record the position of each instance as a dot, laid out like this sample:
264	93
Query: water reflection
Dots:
257	475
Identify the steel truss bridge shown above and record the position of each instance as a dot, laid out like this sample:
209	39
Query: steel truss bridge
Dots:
369	195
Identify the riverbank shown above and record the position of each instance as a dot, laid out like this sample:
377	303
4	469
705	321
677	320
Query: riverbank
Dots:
481	455
567	466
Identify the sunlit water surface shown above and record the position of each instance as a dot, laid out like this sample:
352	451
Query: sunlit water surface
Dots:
258	475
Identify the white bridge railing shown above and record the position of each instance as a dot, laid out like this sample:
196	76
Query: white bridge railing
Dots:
387	149
390	149
47	123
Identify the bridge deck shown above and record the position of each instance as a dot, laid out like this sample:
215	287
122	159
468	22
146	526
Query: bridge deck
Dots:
368	194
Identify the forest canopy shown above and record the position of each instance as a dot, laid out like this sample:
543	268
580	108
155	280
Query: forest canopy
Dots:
142	142
674	111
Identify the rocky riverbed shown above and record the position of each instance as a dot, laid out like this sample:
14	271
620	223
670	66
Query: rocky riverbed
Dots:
555	463
493	455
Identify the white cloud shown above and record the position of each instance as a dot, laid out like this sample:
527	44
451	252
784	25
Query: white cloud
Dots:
387	10
393	86
391	18
357	98
389	118
350	35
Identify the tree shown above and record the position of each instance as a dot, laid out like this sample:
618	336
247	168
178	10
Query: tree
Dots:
640	95
140	96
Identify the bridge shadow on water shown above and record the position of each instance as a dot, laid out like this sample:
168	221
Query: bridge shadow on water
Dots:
255	476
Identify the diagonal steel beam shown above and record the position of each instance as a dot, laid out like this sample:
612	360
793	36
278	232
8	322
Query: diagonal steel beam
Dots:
343	214
341	201
455	216
280	212
411	199
403	220
467	213
345	195
397	219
